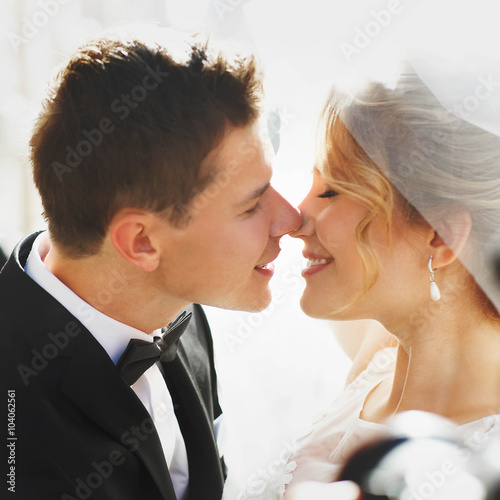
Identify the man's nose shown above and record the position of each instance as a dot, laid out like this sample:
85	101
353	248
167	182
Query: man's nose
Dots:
286	217
307	226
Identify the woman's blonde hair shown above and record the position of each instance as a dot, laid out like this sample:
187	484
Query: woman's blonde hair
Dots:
398	148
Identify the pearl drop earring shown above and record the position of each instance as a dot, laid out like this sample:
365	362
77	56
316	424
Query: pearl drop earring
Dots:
435	293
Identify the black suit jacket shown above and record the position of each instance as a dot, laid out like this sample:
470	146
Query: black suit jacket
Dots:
77	430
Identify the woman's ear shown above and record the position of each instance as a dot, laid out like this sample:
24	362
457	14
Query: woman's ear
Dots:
131	235
449	238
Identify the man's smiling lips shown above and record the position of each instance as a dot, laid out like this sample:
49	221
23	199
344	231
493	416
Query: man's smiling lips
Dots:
268	267
315	263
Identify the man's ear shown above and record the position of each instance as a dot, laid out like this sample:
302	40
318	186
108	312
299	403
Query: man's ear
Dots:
449	238
131	233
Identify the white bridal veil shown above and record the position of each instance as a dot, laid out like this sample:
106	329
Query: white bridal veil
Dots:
431	123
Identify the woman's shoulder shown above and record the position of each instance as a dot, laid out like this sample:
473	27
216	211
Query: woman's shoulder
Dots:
381	364
372	348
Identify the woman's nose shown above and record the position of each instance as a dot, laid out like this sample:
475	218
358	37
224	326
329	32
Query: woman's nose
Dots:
306	228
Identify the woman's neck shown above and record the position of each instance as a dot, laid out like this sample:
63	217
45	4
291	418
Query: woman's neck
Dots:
447	364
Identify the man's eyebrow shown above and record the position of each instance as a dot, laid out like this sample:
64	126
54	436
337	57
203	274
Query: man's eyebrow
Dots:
255	194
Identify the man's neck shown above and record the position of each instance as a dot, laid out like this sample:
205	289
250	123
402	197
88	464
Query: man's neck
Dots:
115	288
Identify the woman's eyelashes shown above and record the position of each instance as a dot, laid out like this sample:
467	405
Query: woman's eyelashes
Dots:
329	193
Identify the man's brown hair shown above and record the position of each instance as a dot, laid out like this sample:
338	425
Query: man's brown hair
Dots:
128	125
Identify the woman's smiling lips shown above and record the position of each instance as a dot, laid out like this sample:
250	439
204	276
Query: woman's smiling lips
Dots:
315	263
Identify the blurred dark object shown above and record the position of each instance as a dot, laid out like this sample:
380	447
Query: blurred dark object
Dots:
496	267
425	459
492	252
490	263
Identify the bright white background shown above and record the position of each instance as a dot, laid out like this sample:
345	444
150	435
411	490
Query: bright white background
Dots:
278	362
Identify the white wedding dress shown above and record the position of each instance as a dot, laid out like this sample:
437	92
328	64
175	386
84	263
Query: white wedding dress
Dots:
320	454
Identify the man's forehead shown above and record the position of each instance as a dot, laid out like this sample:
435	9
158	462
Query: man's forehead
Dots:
241	141
241	147
252	194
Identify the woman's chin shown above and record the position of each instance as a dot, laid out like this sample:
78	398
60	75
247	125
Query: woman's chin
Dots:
319	307
312	307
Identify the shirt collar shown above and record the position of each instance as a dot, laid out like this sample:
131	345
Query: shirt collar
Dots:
113	335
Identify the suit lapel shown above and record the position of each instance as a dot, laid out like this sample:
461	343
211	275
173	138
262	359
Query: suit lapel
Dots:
205	473
91	381
103	396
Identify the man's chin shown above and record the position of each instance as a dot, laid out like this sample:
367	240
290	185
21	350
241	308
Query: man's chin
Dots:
254	300
254	303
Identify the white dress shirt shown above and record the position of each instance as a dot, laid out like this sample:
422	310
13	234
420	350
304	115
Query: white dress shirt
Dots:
114	337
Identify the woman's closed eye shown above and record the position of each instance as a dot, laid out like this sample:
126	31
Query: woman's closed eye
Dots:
329	193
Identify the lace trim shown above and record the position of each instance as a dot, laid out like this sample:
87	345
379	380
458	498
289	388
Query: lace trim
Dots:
270	483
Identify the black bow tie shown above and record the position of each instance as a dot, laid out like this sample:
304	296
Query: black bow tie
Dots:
141	355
